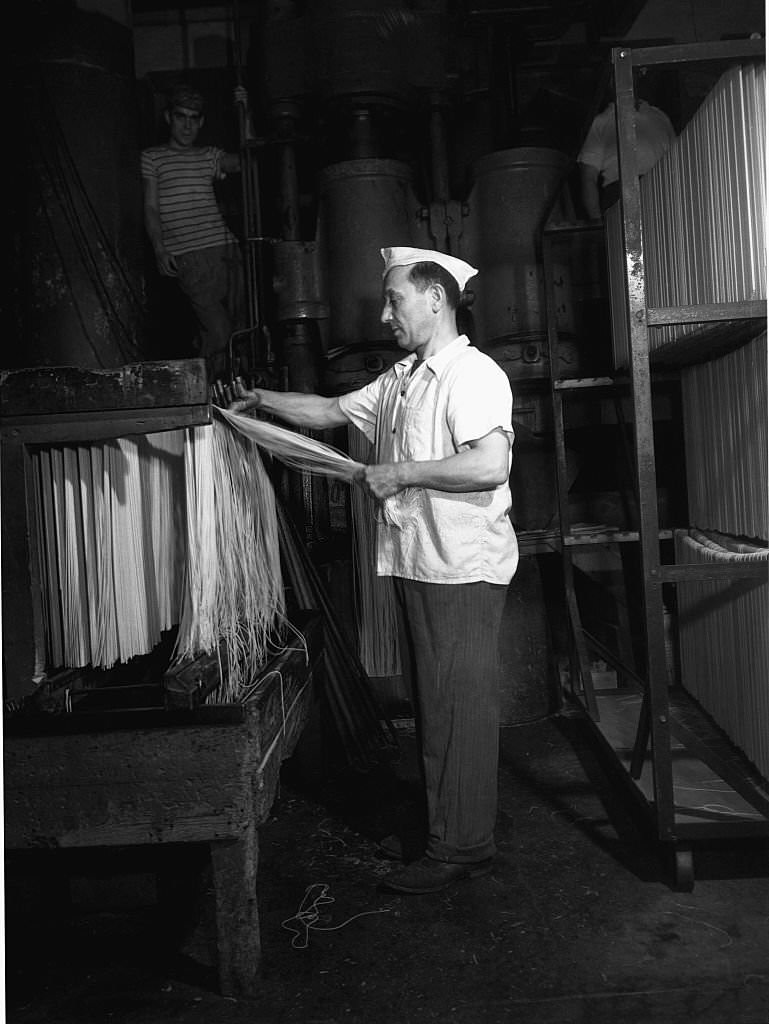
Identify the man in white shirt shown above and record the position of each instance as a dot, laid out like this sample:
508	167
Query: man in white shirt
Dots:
598	158
440	421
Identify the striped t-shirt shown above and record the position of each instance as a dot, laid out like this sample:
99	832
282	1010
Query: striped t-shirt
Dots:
189	213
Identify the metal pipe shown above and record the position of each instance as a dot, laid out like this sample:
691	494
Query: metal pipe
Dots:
286	113
439	149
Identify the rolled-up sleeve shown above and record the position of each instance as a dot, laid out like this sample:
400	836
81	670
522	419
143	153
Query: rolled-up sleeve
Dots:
480	401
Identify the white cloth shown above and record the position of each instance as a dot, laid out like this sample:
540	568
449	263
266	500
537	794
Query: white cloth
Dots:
455	396
654	135
405	256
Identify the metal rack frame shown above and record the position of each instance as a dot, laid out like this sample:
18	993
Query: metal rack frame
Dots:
660	721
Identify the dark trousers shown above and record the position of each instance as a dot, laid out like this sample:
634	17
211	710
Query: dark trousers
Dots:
450	633
212	280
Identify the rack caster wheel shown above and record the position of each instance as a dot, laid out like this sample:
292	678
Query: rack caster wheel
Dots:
683	870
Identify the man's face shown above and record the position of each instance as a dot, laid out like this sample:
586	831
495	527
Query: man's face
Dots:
185	125
407	311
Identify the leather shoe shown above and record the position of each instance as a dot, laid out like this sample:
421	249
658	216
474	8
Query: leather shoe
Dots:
427	875
391	848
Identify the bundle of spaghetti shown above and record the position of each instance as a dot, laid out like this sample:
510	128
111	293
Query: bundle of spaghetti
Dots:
109	561
48	568
164	482
145	480
233	595
64	518
309	455
91	553
374	599
104	651
724	650
294	449
365	734
250	600
197	631
133	604
68	512
725	416
704	204
703	209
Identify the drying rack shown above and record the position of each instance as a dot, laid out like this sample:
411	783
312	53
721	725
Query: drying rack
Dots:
656	737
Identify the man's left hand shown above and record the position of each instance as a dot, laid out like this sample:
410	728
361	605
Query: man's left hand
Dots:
383	480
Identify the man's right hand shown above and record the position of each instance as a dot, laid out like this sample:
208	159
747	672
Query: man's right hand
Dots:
166	263
245	399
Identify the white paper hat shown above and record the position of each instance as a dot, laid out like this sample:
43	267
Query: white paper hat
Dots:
404	256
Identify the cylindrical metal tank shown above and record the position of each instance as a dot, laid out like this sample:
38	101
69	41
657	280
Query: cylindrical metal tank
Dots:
297	282
529	682
365	205
511	193
77	229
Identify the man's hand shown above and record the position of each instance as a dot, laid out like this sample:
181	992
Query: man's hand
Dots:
479	465
241	100
244	399
166	263
383	480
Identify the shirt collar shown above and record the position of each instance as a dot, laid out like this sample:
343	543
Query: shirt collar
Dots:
438	362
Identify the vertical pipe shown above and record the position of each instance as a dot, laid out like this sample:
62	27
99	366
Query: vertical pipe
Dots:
362	141
286	114
252	216
439	149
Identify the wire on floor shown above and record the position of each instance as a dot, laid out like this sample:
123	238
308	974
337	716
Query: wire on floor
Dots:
307	916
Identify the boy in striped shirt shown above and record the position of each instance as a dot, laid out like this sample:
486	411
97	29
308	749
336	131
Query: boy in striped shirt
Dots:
190	238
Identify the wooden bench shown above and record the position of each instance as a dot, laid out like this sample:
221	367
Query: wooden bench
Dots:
142	778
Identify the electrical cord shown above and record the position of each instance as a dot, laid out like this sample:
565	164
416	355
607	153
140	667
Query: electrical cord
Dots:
307	916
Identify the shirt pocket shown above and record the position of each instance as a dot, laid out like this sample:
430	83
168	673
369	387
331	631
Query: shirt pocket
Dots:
418	436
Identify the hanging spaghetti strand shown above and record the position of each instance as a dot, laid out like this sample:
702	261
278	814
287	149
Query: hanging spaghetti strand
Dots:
366	734
309	455
374	598
233	590
295	450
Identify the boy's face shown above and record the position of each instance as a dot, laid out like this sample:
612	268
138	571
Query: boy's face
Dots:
185	125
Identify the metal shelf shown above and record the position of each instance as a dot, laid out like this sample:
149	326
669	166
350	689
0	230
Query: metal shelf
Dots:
584	383
619	382
668	728
538	542
577	539
575	227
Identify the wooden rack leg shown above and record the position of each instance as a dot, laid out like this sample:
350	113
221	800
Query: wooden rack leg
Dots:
238	943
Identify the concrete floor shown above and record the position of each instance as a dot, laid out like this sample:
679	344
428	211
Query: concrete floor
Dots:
577	923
